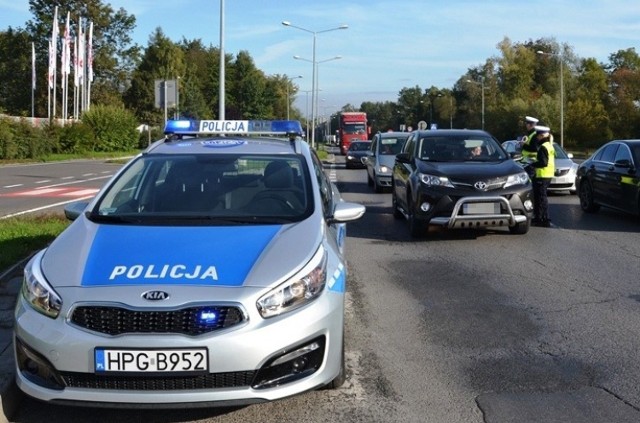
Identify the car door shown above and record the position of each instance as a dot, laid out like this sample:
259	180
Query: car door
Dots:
624	180
402	171
601	175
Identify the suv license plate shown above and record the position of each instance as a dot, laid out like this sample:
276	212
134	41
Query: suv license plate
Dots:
481	208
192	360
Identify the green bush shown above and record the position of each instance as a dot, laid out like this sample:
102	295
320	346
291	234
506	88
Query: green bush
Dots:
76	138
114	128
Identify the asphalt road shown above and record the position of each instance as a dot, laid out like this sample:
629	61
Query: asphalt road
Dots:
466	326
47	187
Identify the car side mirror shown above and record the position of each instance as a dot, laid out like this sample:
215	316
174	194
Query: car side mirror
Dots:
73	210
570	155
403	158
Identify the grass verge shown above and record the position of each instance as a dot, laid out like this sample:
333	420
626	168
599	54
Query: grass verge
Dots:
21	236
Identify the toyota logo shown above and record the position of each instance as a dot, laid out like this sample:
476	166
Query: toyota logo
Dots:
482	186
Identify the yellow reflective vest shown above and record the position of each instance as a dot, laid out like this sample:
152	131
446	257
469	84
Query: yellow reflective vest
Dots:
529	152
549	170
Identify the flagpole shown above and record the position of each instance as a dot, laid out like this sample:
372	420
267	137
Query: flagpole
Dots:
54	41
33	79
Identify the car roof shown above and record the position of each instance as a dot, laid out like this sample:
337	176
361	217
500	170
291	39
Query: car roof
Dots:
451	132
196	137
394	134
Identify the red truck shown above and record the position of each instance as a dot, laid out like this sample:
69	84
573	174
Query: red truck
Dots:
352	126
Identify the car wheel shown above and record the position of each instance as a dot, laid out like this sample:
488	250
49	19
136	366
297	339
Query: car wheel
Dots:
376	187
339	380
520	228
394	204
416	226
586	197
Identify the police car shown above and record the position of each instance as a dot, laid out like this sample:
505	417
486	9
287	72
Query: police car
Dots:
210	271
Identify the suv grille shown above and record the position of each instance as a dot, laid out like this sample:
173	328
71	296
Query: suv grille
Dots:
158	383
187	321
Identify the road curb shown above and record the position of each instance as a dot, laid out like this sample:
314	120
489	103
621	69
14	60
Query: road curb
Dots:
10	281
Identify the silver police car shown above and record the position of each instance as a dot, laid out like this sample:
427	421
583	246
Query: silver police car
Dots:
209	271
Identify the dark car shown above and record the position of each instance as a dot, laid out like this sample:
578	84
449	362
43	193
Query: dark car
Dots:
611	178
460	179
357	150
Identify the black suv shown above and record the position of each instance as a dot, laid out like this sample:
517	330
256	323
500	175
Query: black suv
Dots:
460	179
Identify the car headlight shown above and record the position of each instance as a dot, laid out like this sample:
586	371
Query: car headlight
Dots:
298	291
350	157
436	181
574	168
384	169
518	179
37	291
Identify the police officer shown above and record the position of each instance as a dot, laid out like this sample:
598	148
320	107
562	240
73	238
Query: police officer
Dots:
529	147
544	168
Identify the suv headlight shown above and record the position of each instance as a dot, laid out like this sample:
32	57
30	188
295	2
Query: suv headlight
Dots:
37	291
435	181
298	291
518	179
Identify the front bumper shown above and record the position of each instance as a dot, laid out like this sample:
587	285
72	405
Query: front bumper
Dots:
242	362
566	182
511	208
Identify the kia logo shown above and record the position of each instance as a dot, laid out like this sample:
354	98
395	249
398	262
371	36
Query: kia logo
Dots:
155	295
482	186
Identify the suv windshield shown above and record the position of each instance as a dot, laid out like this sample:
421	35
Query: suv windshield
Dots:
223	188
459	148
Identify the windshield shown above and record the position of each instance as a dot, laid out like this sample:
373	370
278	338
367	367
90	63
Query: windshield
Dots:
560	153
225	189
353	128
460	148
360	146
391	146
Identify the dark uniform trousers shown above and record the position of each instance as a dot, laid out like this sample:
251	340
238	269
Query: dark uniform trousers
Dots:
541	203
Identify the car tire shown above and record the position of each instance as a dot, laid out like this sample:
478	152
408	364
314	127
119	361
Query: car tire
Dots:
416	226
394	204
587	203
339	380
520	228
376	187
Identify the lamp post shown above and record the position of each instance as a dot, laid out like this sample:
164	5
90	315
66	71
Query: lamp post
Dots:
314	94
314	86
288	98
561	59
483	88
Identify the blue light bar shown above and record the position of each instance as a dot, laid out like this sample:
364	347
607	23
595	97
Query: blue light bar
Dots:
230	127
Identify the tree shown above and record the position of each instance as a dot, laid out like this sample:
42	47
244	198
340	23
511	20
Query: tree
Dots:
162	60
15	71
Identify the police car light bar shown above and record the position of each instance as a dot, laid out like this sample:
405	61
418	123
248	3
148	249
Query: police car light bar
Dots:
233	127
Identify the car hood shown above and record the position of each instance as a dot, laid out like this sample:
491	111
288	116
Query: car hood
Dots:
386	160
563	163
470	171
88	254
357	153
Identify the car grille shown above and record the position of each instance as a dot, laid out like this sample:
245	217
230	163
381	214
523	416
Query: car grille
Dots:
158	383
119	320
490	184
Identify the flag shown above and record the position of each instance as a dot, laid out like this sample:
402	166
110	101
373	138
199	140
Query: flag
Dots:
66	48
33	66
54	41
90	54
81	53
52	59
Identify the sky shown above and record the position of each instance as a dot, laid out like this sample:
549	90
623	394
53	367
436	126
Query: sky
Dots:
388	45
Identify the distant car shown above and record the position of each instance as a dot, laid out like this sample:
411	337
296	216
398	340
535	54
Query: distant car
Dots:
611	178
437	181
357	150
565	173
564	178
209	271
379	160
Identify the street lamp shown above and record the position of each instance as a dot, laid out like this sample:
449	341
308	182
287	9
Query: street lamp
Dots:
561	58
314	87
288	98
483	88
314	93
